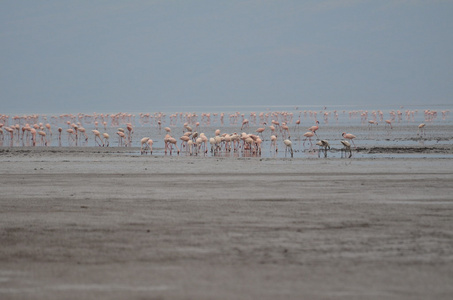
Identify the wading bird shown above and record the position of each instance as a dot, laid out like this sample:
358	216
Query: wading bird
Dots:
347	147
421	129
289	146
349	136
323	145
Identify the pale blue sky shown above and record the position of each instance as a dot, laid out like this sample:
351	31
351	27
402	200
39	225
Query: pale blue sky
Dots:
145	56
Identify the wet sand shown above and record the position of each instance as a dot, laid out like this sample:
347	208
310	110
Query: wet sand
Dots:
95	223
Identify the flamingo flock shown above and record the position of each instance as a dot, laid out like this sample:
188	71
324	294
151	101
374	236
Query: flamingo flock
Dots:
182	133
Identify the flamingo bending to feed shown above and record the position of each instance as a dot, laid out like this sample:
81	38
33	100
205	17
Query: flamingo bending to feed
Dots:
388	122
43	137
421	129
97	135
347	146
106	139
289	145
144	145
324	145
173	142
184	139
260	130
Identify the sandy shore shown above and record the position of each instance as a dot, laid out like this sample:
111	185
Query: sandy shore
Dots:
101	224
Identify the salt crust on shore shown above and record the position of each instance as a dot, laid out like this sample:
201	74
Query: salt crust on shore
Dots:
98	224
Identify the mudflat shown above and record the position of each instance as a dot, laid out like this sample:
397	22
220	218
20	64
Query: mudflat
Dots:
91	224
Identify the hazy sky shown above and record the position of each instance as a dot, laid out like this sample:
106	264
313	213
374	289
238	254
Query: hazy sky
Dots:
146	56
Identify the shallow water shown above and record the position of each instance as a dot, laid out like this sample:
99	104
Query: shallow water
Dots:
399	141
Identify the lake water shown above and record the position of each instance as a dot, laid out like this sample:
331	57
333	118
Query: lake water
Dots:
333	121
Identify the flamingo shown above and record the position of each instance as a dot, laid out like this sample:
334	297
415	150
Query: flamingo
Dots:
245	123
212	141
235	138
97	135
289	145
308	135
59	135
144	145
371	123
227	139
33	136
347	146
388	122
190	147
11	132
349	136
297	126
198	143
284	128
184	139
83	131
49	129
421	129
194	136
218	141
70	135
186	126
150	145
258	142
43	137
130	131
106	139
204	140
260	130
121	136
314	128
323	144
172	142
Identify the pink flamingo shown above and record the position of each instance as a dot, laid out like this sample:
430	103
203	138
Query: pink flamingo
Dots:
59	135
371	123
297	126
245	123
121	136
308	135
184	139
388	122
172	142
349	136
150	145
49	130
314	128
97	135
260	130
43	137
106	139
33	136
284	128
70	135
274	143
83	131
144	146
129	133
